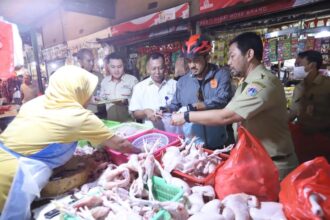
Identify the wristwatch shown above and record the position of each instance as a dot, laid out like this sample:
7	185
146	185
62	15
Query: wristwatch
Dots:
186	116
191	107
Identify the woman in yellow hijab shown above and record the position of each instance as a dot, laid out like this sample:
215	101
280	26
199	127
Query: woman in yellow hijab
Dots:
59	117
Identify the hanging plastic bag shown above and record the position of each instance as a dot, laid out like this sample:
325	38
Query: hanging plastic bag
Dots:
168	127
305	192
249	169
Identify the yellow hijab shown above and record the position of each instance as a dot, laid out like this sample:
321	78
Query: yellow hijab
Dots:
69	86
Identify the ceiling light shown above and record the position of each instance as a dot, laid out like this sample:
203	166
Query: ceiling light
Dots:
322	34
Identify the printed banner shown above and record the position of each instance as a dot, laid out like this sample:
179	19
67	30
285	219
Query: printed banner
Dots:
211	5
11	49
181	11
272	7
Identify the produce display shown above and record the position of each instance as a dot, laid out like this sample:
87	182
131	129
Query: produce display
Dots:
122	192
160	186
192	159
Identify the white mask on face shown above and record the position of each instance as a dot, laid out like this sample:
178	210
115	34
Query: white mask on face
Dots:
299	72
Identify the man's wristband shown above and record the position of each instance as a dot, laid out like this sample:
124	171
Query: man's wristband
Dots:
186	116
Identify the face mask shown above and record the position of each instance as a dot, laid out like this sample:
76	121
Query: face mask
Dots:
299	72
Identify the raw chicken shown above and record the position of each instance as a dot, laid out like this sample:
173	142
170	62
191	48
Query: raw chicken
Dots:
210	210
268	211
315	199
196	200
240	204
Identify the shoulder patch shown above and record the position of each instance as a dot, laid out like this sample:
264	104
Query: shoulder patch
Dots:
254	88
259	83
214	83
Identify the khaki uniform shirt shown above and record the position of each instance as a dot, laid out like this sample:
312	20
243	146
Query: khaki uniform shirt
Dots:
29	92
260	100
123	89
311	103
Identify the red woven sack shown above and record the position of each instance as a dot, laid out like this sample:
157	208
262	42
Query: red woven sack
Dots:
249	169
305	192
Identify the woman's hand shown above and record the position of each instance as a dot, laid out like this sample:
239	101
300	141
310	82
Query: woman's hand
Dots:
120	144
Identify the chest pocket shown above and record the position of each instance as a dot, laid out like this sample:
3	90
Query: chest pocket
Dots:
321	103
126	90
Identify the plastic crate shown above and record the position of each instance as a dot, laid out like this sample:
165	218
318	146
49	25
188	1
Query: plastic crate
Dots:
192	180
139	128
119	158
164	192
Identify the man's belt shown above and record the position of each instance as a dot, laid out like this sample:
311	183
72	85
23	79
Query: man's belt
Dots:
281	157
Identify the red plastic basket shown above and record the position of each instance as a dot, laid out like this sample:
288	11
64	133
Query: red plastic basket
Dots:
119	158
192	180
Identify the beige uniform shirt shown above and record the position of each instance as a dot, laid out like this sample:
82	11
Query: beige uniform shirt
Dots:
311	103
111	90
29	92
260	100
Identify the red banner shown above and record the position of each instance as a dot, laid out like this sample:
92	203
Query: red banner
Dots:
211	5
181	11
6	50
275	6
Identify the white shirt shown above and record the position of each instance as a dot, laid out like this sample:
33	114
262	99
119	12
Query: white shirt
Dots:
117	89
147	94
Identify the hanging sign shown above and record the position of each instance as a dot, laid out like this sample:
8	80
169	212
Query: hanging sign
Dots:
211	5
181	11
272	7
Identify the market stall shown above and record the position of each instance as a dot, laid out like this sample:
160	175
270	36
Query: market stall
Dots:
161	31
187	182
174	177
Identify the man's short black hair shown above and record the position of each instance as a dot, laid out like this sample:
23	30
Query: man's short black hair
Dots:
312	56
249	40
81	52
114	56
156	55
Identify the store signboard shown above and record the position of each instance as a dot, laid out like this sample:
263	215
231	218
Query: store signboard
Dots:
211	5
88	41
59	51
181	11
272	7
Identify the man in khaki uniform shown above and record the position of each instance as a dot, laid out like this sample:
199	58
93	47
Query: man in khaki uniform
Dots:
117	88
259	103
311	106
311	97
29	89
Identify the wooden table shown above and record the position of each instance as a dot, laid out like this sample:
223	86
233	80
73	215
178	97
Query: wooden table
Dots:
12	112
8	116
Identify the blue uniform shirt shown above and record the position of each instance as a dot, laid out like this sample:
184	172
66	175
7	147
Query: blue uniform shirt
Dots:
216	90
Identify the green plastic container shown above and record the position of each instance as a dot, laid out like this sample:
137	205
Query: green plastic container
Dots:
164	192
109	123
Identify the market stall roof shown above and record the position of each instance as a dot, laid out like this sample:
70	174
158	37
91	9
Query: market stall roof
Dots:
27	12
65	23
144	37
